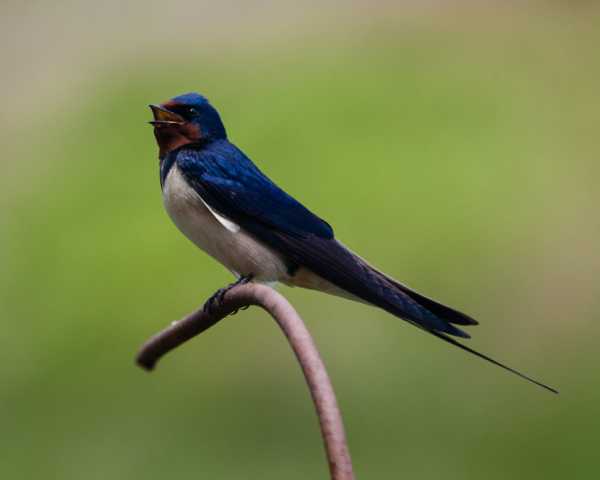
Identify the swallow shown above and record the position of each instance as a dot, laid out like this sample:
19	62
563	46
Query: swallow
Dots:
229	208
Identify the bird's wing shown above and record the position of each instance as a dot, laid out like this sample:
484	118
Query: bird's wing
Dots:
234	187
230	184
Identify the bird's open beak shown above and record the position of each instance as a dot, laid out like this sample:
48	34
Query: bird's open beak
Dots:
162	116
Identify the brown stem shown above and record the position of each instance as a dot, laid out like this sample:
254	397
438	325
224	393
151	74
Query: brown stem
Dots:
330	420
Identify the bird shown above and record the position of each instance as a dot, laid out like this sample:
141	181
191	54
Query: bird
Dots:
221	201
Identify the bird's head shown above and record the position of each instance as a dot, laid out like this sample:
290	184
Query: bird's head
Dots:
185	119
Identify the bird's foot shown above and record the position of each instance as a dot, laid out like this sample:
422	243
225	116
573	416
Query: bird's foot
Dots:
213	300
245	307
217	297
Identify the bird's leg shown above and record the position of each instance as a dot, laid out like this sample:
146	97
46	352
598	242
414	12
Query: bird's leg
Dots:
240	281
217	297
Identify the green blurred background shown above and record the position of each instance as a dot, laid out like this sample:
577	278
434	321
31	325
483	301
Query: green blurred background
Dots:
464	135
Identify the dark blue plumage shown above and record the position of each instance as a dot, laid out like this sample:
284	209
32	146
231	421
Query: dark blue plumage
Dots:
194	142
229	181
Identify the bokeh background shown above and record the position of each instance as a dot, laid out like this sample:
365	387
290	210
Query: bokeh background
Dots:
454	144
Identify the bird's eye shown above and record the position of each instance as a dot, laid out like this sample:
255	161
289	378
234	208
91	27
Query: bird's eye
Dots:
192	111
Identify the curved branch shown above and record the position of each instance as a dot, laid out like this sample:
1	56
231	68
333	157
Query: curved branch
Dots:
321	390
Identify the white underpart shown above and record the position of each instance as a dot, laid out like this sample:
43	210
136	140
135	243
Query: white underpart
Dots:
228	243
221	238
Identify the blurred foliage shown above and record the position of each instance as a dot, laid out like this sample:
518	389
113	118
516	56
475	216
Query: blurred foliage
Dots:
462	159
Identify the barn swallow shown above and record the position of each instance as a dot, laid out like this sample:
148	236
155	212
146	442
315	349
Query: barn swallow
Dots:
224	204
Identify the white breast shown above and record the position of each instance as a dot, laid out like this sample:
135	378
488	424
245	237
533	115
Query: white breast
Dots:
218	236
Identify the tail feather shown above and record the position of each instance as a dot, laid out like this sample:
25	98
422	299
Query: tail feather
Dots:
394	300
413	306
449	314
442	311
491	360
425	308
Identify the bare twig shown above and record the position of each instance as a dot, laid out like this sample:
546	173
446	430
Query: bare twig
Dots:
332	428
